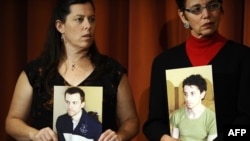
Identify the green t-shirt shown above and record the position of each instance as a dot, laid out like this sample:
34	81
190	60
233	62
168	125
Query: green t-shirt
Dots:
194	129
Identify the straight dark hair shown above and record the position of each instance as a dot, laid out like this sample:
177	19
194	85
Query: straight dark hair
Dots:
54	50
73	90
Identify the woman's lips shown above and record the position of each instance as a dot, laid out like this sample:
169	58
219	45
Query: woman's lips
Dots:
207	25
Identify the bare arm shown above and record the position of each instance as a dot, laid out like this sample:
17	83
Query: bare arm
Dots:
126	114
126	111
15	123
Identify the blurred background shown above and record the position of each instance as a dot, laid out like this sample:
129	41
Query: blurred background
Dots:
131	31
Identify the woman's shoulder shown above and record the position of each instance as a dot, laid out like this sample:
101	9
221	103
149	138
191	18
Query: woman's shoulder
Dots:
32	70
175	57
108	70
34	64
112	64
236	45
236	49
172	51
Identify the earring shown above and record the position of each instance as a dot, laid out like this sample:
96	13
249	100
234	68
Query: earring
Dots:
62	38
186	25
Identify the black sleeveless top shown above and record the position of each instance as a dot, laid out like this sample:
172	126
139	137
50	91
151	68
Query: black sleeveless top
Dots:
42	102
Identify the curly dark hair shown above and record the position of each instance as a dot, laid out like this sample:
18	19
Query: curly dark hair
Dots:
197	80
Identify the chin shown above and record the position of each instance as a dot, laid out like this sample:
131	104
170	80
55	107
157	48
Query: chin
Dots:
86	44
71	114
208	33
189	106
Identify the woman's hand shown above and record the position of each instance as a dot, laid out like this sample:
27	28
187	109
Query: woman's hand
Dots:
45	134
168	138
109	135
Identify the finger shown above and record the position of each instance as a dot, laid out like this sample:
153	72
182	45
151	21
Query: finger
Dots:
46	134
52	135
110	136
113	137
107	135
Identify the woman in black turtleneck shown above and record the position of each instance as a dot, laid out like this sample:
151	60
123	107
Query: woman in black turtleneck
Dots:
230	65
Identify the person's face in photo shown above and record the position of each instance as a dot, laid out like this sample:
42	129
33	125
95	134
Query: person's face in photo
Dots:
192	96
73	104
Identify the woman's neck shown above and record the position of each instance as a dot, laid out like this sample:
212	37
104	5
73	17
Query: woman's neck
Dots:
75	55
207	41
202	50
